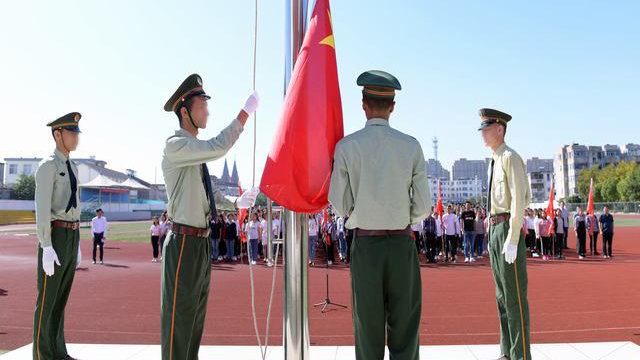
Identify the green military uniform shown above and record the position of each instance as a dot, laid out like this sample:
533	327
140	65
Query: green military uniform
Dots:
57	199
379	181
186	270
508	196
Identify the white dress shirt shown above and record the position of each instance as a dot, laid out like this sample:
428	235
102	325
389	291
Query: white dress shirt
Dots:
99	225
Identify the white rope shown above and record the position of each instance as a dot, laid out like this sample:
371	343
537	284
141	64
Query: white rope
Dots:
263	351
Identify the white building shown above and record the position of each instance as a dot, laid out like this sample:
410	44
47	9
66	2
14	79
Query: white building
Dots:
540	184
571	159
470	169
15	167
456	191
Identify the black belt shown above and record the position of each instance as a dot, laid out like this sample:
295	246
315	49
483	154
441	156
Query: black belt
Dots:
364	232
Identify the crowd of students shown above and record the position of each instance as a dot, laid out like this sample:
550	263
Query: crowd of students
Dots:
459	234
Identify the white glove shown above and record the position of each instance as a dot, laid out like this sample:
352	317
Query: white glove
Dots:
251	104
510	252
49	257
79	256
247	199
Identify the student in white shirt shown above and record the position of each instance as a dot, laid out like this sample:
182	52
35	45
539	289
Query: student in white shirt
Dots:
156	230
451	229
265	236
99	227
254	237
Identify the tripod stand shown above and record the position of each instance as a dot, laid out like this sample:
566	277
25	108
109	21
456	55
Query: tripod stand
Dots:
327	300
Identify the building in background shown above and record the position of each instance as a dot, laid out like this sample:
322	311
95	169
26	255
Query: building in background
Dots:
456	191
227	184
464	169
631	152
1	174
16	167
571	159
436	171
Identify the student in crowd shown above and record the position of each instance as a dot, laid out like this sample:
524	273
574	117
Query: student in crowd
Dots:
580	228
558	230
155	237
544	232
468	218
255	232
231	232
451	225
313	238
593	228
165	226
479	230
606	224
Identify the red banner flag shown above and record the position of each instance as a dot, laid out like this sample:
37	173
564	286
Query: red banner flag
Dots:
242	214
549	210
298	169
439	210
590	203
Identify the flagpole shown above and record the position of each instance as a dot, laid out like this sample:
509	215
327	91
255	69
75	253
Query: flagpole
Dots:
296	312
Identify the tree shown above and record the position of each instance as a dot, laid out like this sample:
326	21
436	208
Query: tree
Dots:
25	188
261	200
629	186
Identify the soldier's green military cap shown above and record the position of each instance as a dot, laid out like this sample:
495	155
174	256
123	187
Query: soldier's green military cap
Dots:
379	84
190	87
492	116
67	122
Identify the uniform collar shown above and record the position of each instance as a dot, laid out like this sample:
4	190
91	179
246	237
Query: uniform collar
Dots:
183	132
499	150
60	156
377	121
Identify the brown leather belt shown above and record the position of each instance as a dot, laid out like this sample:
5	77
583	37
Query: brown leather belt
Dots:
364	232
496	219
190	230
73	225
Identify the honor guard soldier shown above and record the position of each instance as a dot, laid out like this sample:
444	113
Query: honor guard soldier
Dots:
379	181
508	195
186	269
57	218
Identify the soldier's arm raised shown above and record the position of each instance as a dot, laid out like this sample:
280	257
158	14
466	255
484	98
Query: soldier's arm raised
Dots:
185	151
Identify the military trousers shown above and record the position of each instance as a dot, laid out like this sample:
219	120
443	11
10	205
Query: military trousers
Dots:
53	293
511	294
186	278
386	297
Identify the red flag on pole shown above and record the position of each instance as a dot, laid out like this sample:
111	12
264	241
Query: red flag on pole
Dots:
298	169
241	216
590	203
549	210
439	209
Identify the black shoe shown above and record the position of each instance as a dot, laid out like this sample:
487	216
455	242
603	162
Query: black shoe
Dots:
68	357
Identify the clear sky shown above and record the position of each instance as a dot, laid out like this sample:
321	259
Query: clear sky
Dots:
567	71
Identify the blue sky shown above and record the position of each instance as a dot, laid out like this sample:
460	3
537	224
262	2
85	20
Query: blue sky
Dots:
567	71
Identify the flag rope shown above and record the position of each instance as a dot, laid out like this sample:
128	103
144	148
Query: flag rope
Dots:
263	350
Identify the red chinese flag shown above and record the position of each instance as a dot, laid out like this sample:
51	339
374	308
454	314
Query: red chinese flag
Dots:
590	203
549	210
298	169
241	216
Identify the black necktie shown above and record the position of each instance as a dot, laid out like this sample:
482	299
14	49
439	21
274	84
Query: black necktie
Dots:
489	188
206	180
74	188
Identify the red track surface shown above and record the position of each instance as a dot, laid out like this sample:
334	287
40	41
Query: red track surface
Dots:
570	301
